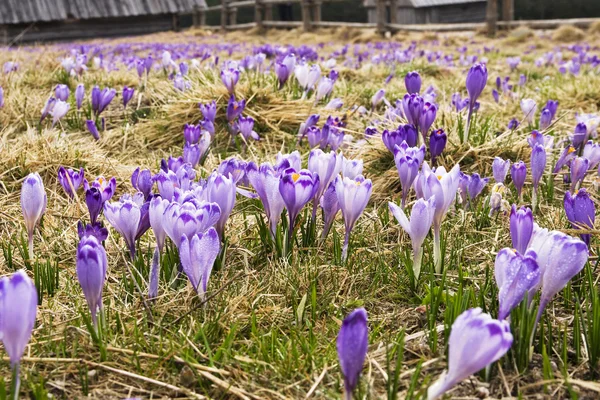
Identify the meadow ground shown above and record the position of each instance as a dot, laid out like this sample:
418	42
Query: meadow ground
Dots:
269	325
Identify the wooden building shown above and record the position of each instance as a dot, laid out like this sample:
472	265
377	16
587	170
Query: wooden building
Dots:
41	20
433	11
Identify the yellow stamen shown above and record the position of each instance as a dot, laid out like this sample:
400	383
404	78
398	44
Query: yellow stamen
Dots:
571	149
295	177
439	177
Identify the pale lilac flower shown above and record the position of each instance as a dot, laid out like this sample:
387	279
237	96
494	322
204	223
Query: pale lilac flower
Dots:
516	274
198	256
353	196
33	205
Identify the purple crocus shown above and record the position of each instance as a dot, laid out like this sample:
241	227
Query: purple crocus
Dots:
529	107
580	135
59	111
191	133
579	167
91	265
221	190
412	106
127	95
18	308
476	185
33	205
545	119
188	218
405	133
230	77
513	124
377	98
93	129
246	128
235	108
581	212
521	228
476	340
141	180
437	143
331	206
97	230
125	216
157	209
101	99
61	91
421	218
560	257
518	173
326	166
351	168
297	189
48	107
198	256
265	180
282	73
412	81
324	88
408	168
500	168
166	183
353	196
476	81
568	154
70	180
516	274
352	344
79	95
1	97
427	118
538	165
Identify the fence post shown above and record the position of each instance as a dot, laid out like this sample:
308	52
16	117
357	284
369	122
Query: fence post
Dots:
381	17
259	8
491	16
233	15
316	6
508	10
224	14
393	12
268	12
305	15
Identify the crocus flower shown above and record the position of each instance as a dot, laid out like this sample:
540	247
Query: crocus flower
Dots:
191	133
580	135
579	167
79	95
581	212
518	173
421	218
412	106
412	81
235	108
545	119
285	161
91	265
127	95
500	168
230	78
1	97
476	185
297	189
125	216
516	274
568	154
141	180
437	143
70	180
282	73
101	99
351	168
246	127
495	95
106	187
353	196
331	206
408	168
497	203
476	340
443	185
48	107
96	229
33	205
428	115
334	104
18	308
476	81
156	211
209	111
221	190
312	120
198	256
60	110
324	88
352	344
192	154
92	128
405	133
326	166
538	165
529	107
265	180
521	228
513	124
560	257
591	151
188	218
61	91
377	98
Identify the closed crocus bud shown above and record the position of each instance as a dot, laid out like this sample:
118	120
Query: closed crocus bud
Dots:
59	111
538	164
79	95
521	228
437	143
545	119
91	266
95	98
94	202
581	212
417	227
352	344
476	185
353	196
141	180
412	81
392	138
91	126
334	104
500	168
282	73
104	99
579	167
516	274
191	133
476	340
580	135
124	216
529	107
62	92
427	118
198	256
377	98
326	166
324	88
476	81
331	206
33	205
407	168
191	154
301	73
560	257
127	95
513	124
518	173
412	106
70	180
221	190
18	308
495	95
552	106
230	78
156	214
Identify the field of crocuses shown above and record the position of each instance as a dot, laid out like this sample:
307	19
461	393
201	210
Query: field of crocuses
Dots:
326	215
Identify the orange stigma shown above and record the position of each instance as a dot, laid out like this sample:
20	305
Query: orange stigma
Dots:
295	177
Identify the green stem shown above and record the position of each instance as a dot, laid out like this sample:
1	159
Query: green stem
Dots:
437	250
16	383
417	260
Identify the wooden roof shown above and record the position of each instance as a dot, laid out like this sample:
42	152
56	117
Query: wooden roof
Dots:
27	11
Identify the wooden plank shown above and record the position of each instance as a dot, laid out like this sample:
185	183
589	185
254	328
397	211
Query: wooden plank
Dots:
241	27
282	24
245	3
335	24
491	17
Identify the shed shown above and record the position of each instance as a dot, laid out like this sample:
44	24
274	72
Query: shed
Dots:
440	11
36	20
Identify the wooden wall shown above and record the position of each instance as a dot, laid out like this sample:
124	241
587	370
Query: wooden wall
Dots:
469	12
